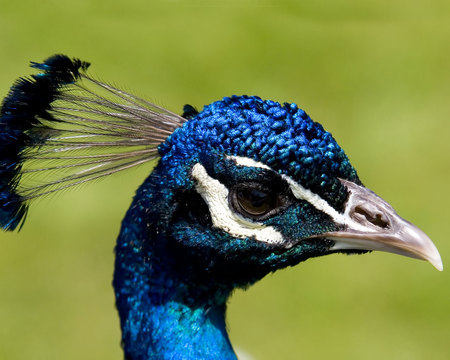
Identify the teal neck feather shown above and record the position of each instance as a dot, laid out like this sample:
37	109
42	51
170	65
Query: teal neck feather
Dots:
165	311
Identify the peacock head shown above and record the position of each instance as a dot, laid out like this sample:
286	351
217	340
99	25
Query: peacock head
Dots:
242	188
259	186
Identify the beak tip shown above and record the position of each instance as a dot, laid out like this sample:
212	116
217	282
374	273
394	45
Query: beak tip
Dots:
432	255
437	263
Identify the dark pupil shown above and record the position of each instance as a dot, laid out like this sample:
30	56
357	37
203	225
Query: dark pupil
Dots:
254	202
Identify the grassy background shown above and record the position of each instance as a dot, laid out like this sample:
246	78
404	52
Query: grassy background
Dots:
375	73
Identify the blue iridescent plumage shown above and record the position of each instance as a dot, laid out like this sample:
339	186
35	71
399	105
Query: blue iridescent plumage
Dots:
243	188
28	101
282	136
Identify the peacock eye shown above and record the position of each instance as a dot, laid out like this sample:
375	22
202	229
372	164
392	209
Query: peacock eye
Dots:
254	201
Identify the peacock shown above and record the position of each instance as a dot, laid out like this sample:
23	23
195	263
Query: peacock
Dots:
239	189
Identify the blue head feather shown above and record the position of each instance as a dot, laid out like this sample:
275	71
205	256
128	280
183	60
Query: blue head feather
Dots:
281	136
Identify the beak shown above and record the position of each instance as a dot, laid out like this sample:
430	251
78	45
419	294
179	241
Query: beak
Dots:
372	224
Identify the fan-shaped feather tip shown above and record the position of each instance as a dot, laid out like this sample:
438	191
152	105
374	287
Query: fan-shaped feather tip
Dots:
61	128
27	102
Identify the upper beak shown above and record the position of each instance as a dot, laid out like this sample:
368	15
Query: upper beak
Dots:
372	224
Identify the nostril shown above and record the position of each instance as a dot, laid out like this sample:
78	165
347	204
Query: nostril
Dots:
376	219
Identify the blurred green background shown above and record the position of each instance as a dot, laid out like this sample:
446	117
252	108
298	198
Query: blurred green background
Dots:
374	73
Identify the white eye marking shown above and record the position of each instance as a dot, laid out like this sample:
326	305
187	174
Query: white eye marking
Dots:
298	190
322	205
315	200
245	161
215	195
302	193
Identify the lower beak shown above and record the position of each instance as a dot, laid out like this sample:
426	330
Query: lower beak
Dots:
372	224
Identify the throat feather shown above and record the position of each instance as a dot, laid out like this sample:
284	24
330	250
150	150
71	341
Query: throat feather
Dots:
163	313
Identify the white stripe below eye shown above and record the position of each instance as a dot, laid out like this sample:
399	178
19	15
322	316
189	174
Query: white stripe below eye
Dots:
223	217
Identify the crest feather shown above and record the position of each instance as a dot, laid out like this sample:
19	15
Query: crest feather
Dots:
61	127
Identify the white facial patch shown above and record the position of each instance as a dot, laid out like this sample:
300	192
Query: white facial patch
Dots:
215	195
223	217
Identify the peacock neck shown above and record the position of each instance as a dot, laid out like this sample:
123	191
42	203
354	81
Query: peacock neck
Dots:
165	312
